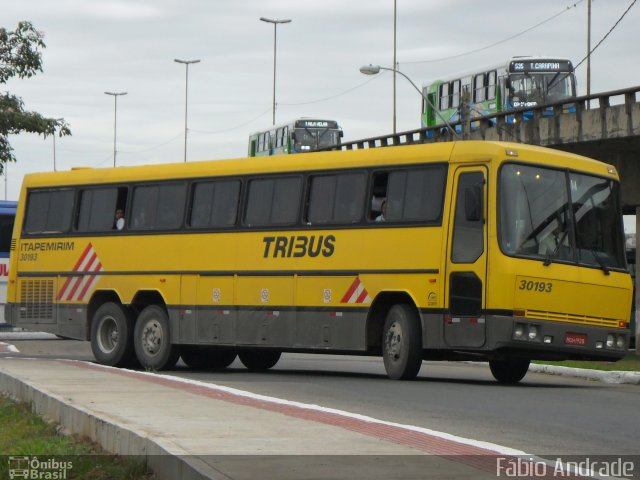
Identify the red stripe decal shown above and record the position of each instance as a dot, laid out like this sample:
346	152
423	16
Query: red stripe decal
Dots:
352	289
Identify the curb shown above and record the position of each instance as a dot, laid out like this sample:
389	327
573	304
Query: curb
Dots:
615	377
167	461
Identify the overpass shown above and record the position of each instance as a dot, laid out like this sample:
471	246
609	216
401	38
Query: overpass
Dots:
604	126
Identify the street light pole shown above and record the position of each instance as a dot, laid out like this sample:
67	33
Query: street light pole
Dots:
54	145
395	64
275	29
588	50
186	63
375	69
115	119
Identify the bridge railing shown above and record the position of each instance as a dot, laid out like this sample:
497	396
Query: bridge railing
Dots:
507	123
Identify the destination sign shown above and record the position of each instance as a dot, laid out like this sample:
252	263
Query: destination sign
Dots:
540	66
316	124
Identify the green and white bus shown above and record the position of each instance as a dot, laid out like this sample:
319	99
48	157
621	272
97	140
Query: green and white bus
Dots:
519	83
299	136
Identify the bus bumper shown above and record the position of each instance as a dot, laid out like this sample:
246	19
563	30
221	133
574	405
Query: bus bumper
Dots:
544	339
8	313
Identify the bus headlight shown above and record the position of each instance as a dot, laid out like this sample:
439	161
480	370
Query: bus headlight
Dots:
518	331
610	341
620	341
533	332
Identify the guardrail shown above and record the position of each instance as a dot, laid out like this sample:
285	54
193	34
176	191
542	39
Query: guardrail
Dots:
508	123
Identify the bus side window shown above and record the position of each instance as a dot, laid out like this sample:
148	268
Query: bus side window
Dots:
49	211
491	85
455	94
158	207
444	96
378	194
97	210
413	195
337	199
468	229
273	201
479	91
215	204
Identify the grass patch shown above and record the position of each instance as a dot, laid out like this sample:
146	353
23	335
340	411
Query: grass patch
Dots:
24	434
630	363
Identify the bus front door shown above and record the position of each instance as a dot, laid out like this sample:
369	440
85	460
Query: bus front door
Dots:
464	323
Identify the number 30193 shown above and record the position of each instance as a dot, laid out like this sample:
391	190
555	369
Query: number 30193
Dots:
534	286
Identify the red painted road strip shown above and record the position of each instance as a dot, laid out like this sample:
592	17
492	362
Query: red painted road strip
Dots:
473	456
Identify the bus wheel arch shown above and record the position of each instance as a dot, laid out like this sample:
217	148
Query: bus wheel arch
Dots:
378	314
145	298
394	329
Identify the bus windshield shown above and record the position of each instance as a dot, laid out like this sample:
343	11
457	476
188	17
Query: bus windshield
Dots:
308	139
556	215
531	89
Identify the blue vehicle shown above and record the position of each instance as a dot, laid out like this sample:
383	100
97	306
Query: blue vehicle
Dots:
7	217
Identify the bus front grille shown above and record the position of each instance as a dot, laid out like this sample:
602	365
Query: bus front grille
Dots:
572	318
36	300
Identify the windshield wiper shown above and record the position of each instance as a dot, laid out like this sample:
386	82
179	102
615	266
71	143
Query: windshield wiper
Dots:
551	256
604	268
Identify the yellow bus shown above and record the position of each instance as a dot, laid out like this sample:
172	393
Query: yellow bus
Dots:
449	251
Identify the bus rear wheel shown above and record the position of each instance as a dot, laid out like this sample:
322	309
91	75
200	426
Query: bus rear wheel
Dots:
402	343
207	358
152	340
258	359
112	335
509	370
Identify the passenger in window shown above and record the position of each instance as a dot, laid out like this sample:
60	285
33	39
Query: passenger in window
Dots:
383	211
119	222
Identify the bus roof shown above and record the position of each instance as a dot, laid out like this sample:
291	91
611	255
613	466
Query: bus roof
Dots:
455	152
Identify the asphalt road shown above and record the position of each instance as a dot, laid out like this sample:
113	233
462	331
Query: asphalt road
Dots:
544	415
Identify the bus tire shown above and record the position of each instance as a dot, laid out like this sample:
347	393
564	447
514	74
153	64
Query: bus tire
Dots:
509	370
112	335
207	358
152	340
402	343
259	359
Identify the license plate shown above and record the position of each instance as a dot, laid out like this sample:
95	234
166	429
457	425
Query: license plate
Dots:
579	339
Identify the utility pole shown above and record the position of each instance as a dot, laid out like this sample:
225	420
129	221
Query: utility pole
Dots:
588	49
275	22
395	63
186	63
115	96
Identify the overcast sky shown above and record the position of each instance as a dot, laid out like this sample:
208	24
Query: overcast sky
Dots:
129	46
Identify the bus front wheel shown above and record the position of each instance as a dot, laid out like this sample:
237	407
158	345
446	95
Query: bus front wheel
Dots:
402	343
509	370
112	335
258	359
200	357
152	340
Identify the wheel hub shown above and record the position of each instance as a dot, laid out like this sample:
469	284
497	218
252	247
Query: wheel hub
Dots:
394	341
108	337
152	337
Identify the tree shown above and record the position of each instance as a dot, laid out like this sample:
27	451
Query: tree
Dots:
20	55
